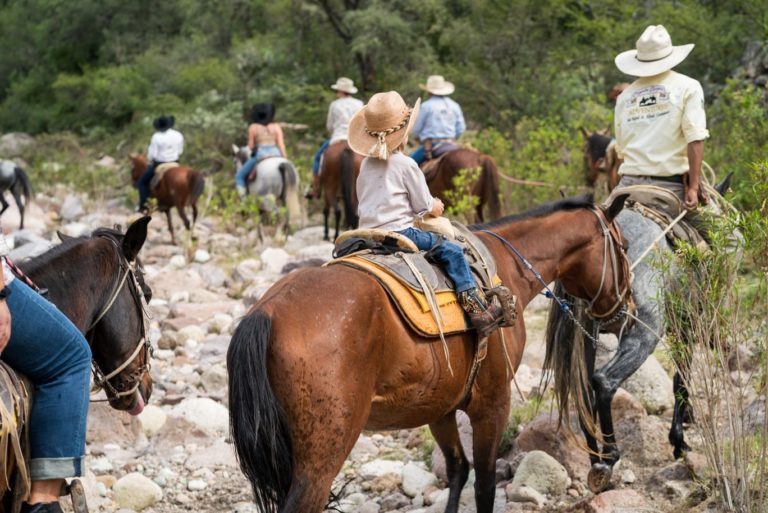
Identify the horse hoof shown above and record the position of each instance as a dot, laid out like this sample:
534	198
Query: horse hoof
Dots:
599	477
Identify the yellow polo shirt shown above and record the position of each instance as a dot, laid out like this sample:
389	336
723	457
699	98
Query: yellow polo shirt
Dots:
656	118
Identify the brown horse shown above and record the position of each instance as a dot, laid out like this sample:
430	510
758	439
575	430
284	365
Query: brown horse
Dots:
325	354
338	176
600	158
441	179
180	187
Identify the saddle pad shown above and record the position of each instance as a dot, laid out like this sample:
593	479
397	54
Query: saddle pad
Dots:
395	266
160	171
412	304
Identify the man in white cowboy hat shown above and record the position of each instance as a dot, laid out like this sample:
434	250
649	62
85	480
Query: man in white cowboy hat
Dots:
393	193
660	121
340	112
441	120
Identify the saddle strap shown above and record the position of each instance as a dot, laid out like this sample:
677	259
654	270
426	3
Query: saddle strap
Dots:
429	294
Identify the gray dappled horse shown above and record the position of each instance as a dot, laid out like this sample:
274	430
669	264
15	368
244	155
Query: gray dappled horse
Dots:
14	178
637	343
276	182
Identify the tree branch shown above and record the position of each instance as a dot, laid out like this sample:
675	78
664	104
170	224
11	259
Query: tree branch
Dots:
335	20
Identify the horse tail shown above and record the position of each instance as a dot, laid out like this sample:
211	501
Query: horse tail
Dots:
196	186
347	187
565	359
290	194
258	425
490	178
26	185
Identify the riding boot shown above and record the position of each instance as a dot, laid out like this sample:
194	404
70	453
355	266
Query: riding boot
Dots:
485	317
241	191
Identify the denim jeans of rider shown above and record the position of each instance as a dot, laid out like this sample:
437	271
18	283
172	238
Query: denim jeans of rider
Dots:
144	182
260	154
450	256
319	157
47	348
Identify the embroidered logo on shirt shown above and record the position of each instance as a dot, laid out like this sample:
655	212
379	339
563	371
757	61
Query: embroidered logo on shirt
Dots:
648	103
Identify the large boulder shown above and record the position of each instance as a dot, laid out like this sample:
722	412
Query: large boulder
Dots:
652	386
416	480
14	143
137	492
542	473
643	440
204	413
152	420
544	434
613	501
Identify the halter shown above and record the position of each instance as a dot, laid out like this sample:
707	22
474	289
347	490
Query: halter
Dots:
611	238
101	380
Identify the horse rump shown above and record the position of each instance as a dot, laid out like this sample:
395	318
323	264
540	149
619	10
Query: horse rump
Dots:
196	186
348	181
259	428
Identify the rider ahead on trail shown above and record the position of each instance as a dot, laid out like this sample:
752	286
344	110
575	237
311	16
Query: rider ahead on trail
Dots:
166	145
441	120
340	112
393	193
265	139
39	341
660	122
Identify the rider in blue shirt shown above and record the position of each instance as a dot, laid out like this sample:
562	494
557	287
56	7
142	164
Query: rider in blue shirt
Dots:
440	121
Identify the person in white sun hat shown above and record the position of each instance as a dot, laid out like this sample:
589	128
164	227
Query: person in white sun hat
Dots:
660	122
340	112
393	193
441	120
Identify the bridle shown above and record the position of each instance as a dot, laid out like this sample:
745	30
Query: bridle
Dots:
100	379
611	246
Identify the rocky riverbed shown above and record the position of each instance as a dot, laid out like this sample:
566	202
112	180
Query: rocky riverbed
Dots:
177	456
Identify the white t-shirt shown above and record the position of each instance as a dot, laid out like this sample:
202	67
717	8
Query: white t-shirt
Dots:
340	113
656	118
392	193
166	146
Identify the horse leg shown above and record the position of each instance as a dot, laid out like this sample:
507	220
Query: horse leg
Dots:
337	219
20	204
681	411
446	435
326	214
170	226
4	203
487	427
180	209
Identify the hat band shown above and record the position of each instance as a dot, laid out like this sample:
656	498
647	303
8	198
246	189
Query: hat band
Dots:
379	150
652	57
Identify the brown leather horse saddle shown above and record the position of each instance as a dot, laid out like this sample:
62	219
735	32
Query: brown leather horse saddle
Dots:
420	290
160	171
15	407
438	152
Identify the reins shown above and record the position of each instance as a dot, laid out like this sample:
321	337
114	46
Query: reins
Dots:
617	311
102	380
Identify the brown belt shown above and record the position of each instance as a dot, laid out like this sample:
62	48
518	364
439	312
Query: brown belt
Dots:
671	179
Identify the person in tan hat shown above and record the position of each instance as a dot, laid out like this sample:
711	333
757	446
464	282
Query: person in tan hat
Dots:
660	122
441	120
393	193
340	112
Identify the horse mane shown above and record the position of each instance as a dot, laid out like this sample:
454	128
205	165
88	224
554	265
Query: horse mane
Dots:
566	204
597	145
44	260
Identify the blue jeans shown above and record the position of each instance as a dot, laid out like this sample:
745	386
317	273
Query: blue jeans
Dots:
449	255
319	156
261	153
54	355
144	182
419	154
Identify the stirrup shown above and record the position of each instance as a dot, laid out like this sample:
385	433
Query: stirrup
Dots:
76	491
508	302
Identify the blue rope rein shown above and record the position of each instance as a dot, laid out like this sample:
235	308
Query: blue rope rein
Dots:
547	291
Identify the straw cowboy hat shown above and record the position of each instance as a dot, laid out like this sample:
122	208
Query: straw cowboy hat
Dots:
654	54
438	85
382	125
345	85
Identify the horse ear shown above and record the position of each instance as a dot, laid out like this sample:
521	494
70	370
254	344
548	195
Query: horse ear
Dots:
584	133
723	186
63	237
235	149
135	237
616	206
607	130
